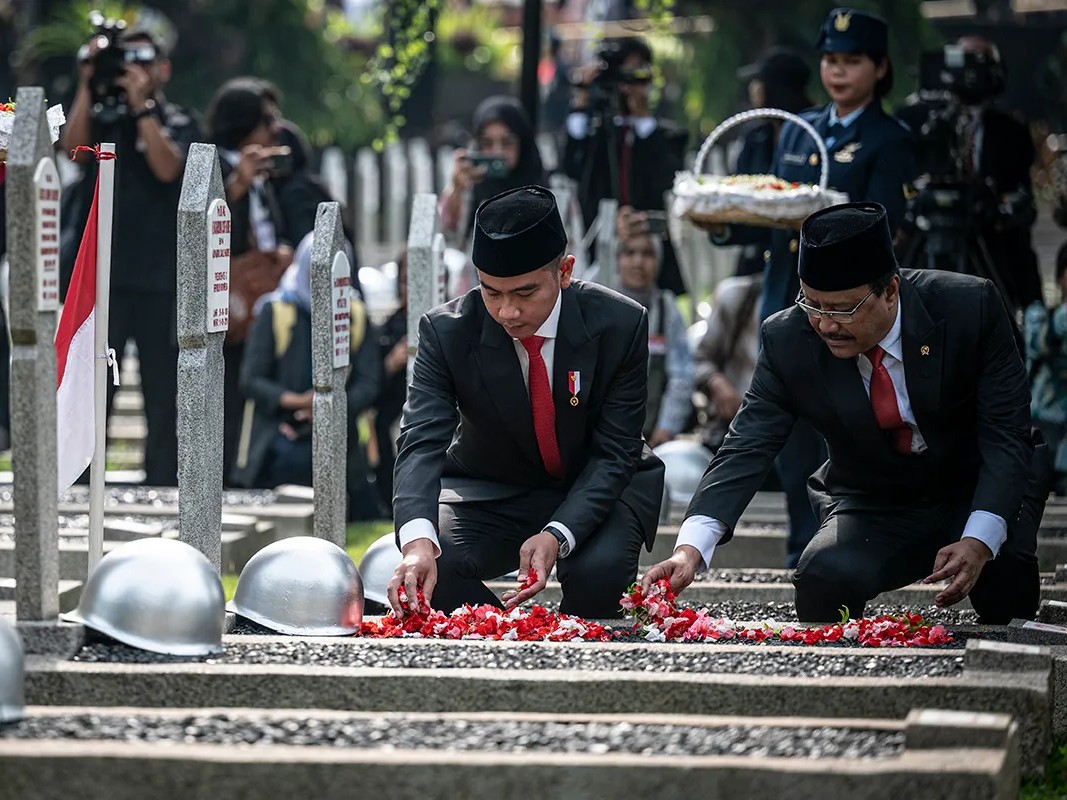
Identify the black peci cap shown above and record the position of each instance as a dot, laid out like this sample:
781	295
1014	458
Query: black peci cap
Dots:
845	246
847	30
517	232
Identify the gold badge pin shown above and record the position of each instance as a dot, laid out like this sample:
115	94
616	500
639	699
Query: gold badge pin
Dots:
574	401
794	245
924	350
847	153
814	160
842	21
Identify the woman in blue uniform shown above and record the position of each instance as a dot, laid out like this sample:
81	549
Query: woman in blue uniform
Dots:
870	158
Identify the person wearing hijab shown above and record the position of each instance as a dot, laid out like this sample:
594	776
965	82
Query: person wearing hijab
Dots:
501	130
275	442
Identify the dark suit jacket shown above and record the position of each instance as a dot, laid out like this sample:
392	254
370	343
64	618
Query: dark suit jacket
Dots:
468	421
969	394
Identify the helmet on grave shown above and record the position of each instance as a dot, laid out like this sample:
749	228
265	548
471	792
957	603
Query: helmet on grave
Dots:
377	568
304	586
685	463
160	595
12	701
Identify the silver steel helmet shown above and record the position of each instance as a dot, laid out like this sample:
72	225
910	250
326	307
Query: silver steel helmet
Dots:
160	595
377	568
686	462
12	702
303	586
665	506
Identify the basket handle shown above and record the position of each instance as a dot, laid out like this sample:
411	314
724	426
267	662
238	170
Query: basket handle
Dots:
765	113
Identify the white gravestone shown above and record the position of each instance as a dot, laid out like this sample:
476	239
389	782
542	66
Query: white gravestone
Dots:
426	279
218	267
46	213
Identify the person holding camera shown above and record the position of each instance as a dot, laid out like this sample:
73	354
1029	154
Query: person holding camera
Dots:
120	98
617	149
504	157
871	158
243	122
988	151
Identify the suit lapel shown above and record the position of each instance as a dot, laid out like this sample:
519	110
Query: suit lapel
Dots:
922	342
576	351
502	378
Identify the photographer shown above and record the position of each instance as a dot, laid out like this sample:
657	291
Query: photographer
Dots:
120	98
968	145
504	156
616	148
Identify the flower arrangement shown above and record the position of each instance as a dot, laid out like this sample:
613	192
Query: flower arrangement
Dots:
54	115
654	614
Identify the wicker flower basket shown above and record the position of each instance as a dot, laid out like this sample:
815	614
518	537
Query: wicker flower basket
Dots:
712	200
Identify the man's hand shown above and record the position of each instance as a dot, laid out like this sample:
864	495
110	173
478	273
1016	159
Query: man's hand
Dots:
725	397
679	569
962	561
538	552
138	85
630	223
397	358
464	173
417	570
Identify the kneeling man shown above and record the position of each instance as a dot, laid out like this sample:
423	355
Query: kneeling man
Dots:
520	443
915	381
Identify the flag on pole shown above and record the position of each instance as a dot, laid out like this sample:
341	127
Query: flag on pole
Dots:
76	357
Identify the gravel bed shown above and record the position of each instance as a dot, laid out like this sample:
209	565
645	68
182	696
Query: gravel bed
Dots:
471	735
153	496
810	662
744	576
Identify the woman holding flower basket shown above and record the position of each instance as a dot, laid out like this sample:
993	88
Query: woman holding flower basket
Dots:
869	158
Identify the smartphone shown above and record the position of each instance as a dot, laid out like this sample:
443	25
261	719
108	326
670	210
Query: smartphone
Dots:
495	166
657	222
281	161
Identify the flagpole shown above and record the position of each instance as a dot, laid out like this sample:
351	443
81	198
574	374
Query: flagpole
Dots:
106	206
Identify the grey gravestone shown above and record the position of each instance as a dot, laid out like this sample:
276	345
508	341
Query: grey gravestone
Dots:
33	374
330	273
200	365
426	274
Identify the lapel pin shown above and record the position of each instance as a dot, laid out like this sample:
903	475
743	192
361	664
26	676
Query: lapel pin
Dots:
574	384
925	350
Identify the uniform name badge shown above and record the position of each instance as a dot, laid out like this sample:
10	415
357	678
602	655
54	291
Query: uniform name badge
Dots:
574	385
657	345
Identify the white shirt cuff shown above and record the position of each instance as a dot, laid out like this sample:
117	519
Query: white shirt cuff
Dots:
566	534
419	529
577	124
988	528
644	126
703	533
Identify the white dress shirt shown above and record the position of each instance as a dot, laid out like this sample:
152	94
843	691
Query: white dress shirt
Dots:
704	532
578	125
424	528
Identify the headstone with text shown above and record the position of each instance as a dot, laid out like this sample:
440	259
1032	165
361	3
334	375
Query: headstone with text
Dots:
203	308
330	347
32	238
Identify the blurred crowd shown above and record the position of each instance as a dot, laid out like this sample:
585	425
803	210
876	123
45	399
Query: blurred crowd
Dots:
610	145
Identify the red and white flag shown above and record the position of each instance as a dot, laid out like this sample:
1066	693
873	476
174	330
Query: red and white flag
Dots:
76	361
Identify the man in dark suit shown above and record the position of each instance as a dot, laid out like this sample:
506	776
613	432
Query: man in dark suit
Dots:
521	441
915	382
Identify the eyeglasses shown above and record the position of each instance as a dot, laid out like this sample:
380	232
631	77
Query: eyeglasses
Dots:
840	317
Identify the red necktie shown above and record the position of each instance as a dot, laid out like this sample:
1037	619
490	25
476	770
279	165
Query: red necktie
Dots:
884	403
543	407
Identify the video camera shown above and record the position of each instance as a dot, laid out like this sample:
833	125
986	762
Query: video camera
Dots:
109	63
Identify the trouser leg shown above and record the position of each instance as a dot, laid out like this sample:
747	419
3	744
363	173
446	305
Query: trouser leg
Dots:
803	453
595	576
